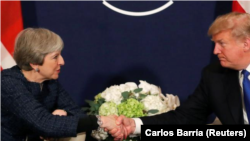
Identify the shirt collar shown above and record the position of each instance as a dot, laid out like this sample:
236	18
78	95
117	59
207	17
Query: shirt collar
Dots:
248	69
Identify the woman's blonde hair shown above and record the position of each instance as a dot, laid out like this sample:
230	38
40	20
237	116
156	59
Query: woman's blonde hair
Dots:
238	23
33	44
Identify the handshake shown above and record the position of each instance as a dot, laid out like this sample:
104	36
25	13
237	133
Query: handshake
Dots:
118	126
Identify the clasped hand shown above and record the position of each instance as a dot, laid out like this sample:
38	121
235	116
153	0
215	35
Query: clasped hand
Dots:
119	127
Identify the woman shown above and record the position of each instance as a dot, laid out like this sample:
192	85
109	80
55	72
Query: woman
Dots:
31	93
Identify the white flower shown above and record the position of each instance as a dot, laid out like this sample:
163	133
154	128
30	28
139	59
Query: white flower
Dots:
172	101
155	90
149	88
145	86
154	102
112	94
129	86
133	104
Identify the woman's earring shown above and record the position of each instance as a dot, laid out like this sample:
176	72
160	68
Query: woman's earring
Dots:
37	70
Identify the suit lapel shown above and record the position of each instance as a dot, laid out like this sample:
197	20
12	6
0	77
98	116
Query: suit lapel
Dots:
233	92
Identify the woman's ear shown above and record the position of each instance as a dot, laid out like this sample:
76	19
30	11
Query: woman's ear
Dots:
35	67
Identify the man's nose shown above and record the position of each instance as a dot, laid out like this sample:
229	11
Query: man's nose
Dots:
217	49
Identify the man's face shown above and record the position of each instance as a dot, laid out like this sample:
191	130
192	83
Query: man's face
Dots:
229	50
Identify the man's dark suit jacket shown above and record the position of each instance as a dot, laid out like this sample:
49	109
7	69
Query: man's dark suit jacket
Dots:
218	92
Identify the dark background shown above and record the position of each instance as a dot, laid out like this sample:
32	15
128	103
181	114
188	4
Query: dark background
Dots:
104	48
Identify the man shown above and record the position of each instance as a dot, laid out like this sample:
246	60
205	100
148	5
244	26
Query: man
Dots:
221	89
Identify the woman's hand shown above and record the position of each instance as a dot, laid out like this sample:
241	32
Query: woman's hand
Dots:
109	123
60	112
128	125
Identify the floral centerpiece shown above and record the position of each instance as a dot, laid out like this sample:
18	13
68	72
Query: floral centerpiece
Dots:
130	100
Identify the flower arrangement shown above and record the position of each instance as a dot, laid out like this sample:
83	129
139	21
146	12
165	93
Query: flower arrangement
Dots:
131	101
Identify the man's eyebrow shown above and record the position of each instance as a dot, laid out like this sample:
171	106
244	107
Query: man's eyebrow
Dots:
220	40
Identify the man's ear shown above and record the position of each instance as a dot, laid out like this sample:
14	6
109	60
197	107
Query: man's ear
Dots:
247	44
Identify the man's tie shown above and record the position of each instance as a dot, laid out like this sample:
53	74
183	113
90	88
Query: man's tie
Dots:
246	89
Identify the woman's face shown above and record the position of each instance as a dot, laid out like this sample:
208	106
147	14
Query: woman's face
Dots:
51	65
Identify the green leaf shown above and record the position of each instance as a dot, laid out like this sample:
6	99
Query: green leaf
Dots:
92	108
96	113
142	96
85	108
153	111
91	103
124	100
101	101
138	90
89	113
125	94
133	96
96	107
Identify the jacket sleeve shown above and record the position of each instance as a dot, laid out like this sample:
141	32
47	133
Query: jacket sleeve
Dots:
195	110
19	101
67	103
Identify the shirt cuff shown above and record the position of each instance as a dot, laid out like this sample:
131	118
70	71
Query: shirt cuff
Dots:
138	123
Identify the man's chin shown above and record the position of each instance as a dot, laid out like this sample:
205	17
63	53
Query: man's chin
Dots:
228	65
224	64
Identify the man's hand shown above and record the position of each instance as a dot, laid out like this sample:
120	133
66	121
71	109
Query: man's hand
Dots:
109	123
128	127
